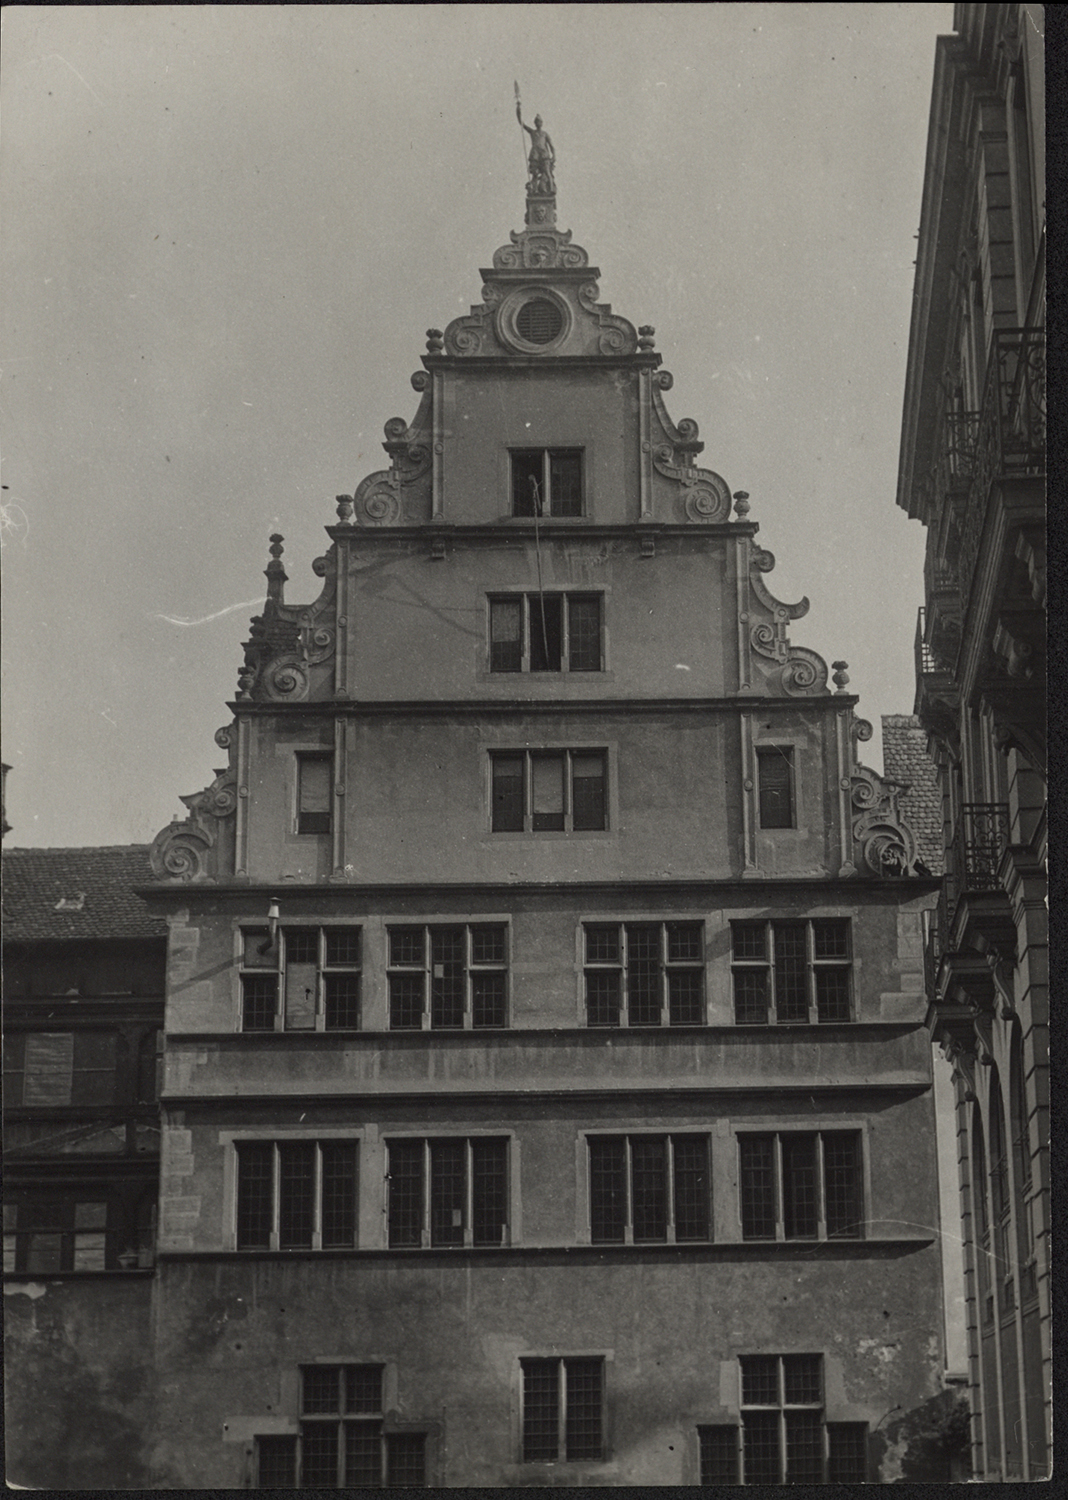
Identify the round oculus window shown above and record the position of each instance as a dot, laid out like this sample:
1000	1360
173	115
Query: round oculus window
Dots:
539	321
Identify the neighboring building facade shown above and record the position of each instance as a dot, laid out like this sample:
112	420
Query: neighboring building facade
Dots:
83	967
973	471
547	1094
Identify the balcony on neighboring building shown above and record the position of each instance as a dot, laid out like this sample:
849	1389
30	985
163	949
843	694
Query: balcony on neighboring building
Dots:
1010	438
974	918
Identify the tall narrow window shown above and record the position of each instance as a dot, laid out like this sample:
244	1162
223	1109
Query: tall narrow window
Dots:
547	482
563	1409
801	1186
649	1189
314	793
451	1191
644	974
775	786
549	791
792	973
296	1195
545	633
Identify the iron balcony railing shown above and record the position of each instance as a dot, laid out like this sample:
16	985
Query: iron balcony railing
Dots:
1011	437
926	665
982	835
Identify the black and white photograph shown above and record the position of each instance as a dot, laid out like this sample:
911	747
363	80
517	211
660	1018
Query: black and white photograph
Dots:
525	936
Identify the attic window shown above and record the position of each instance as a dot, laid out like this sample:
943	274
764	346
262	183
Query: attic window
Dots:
539	321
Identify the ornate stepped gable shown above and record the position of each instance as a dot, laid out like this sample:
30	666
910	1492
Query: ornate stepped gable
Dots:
289	656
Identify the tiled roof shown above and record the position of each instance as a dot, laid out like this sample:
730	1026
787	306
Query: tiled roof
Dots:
905	759
56	894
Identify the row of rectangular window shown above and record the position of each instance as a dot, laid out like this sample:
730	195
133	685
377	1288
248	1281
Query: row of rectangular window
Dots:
635	974
783	1436
456	1191
550	790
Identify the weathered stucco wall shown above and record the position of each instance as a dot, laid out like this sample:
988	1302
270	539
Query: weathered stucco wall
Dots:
487	414
669	1325
418	627
79	1382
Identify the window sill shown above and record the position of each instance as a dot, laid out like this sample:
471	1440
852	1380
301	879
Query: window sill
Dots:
722	1250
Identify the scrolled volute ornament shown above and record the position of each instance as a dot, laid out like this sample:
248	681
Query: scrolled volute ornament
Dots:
224	737
285	679
804	672
179	852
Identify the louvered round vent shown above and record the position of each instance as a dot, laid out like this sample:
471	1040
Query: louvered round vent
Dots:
539	321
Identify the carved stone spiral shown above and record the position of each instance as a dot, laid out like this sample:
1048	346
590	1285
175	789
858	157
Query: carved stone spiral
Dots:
224	736
379	507
664	453
687	429
764	639
221	801
762	560
491	295
319	567
864	794
572	258
418	454
507	258
588	293
178	854
395	428
703	503
613	341
467	341
420	381
804	672
862	730
664	379
285	678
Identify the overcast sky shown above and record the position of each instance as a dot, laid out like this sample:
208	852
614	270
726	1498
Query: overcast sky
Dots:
227	229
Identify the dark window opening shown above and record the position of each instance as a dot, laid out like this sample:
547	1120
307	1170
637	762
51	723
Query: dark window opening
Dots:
545	633
547	482
804	1185
549	791
792	973
775	786
307	980
784	1439
315	776
296	1195
447	1192
563	1410
51	1232
342	1443
649	1189
448	978
539	321
645	974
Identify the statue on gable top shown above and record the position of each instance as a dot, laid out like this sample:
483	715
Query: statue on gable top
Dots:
542	158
